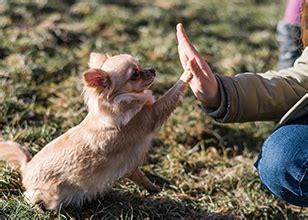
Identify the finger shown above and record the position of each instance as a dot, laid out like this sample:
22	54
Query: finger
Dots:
181	34
184	41
202	64
183	57
188	49
194	67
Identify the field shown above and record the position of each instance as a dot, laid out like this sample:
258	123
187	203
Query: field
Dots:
205	168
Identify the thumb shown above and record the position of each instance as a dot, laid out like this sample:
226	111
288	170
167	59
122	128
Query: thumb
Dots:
194	67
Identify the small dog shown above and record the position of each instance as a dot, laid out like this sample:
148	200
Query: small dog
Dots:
109	144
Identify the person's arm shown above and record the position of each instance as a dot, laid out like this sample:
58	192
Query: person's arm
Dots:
245	97
267	96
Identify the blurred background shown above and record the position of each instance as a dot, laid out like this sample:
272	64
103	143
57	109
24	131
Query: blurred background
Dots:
205	168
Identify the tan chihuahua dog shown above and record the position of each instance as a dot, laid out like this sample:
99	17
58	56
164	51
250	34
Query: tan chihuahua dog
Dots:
110	143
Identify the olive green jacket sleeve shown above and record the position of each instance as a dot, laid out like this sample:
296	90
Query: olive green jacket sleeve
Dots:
263	96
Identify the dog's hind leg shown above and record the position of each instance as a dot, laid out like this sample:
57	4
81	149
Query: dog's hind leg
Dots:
140	179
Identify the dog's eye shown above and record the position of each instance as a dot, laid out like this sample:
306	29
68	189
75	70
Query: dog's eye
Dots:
135	75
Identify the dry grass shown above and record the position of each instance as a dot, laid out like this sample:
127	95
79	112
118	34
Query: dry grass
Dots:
205	168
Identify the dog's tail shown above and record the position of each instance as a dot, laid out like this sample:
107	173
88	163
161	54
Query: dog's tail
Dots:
14	155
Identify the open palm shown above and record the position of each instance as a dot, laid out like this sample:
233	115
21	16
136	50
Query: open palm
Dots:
204	84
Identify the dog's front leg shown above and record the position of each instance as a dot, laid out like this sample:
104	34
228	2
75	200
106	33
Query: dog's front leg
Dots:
141	180
166	104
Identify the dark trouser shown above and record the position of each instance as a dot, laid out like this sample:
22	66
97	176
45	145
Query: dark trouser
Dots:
288	36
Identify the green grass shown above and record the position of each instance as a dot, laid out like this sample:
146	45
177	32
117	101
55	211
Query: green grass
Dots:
205	168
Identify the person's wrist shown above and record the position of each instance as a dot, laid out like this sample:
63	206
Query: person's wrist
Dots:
211	102
212	98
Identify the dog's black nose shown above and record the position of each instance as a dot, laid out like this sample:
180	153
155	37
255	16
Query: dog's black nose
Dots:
150	70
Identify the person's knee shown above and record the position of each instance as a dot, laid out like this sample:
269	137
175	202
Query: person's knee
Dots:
273	166
282	166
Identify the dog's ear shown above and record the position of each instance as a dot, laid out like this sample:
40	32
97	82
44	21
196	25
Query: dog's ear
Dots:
97	60
97	78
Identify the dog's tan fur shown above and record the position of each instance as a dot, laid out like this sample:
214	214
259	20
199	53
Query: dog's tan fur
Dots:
110	143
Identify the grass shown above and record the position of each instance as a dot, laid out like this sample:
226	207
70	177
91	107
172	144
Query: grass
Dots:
205	168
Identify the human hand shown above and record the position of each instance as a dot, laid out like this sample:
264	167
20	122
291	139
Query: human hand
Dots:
204	84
